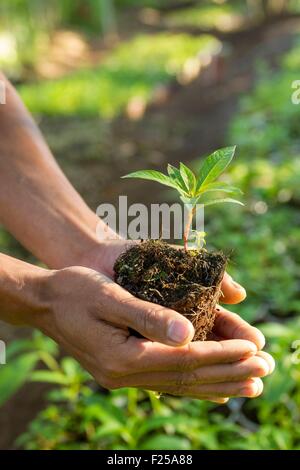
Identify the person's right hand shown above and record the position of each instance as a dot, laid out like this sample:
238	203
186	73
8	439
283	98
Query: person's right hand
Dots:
91	317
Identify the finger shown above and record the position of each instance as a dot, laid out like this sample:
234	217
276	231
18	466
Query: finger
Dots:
249	389
232	292
152	321
242	370
229	325
220	401
142	355
269	360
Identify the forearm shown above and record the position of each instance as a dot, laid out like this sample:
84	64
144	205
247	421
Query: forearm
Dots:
38	205
23	291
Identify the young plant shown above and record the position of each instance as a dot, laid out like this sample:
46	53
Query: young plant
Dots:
202	189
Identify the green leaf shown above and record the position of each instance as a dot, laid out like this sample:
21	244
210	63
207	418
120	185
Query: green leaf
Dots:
49	377
188	177
175	175
219	201
14	374
108	429
214	165
164	442
279	384
106	410
159	422
220	186
70	367
17	347
153	175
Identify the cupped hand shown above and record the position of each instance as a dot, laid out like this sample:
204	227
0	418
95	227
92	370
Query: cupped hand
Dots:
228	325
91	317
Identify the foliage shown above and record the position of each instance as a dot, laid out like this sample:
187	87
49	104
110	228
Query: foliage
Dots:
26	27
133	70
228	15
264	241
134	419
22	356
194	189
208	16
21	37
190	187
268	169
82	417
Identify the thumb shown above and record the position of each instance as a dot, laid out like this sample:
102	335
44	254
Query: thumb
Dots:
152	321
232	292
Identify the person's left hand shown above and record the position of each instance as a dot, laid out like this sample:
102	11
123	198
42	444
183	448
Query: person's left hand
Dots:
228	325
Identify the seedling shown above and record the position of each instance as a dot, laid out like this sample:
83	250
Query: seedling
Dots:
188	281
202	189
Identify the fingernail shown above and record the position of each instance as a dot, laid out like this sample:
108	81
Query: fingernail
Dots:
264	368
269	360
179	332
252	390
238	286
261	340
271	365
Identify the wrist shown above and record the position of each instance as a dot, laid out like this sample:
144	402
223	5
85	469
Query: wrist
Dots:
23	292
39	305
79	242
95	250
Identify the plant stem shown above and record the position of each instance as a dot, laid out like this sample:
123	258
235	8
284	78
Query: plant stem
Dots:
187	228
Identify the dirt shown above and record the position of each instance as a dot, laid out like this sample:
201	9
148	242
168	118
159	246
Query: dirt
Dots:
185	281
193	121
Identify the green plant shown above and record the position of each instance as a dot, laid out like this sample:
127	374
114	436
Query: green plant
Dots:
80	416
22	357
132	70
194	189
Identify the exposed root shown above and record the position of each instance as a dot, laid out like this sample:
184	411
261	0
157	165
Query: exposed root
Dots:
188	282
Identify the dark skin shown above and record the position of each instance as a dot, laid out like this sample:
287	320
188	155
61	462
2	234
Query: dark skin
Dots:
76	302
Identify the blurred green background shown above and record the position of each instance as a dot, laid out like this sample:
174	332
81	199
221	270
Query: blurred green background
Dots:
122	85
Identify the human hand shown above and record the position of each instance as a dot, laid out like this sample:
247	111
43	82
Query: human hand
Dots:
228	325
90	316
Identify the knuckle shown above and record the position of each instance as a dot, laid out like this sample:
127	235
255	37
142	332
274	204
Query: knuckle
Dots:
238	331
149	319
194	377
186	359
220	348
179	380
